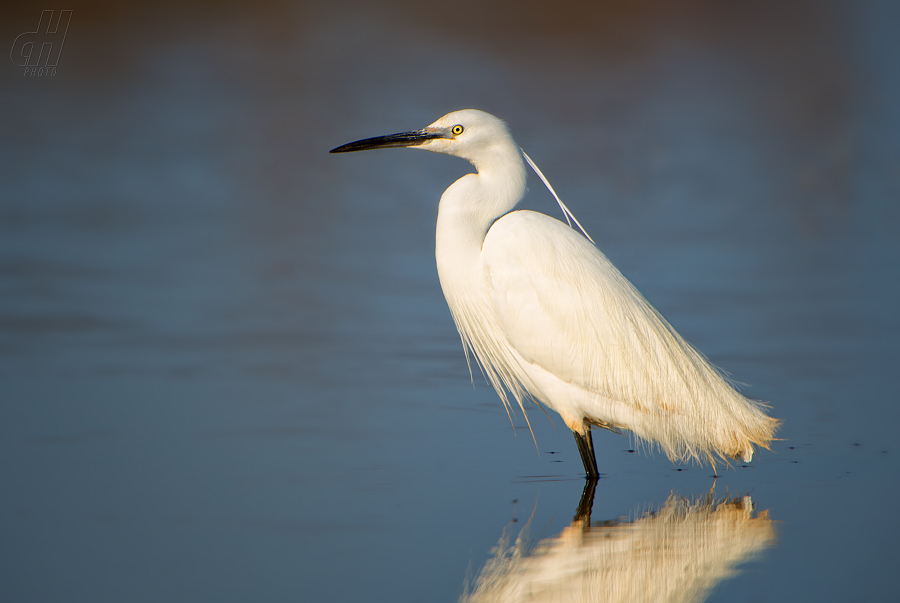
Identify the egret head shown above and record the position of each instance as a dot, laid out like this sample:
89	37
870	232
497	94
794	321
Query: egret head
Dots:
471	134
476	136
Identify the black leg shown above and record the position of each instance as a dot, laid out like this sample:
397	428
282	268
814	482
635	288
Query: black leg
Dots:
583	513
586	448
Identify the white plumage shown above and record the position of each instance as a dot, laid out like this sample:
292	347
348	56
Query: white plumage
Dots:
548	316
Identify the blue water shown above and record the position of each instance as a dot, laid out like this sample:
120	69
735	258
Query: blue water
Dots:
227	371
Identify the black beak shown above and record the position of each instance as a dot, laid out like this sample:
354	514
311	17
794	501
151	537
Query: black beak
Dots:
404	139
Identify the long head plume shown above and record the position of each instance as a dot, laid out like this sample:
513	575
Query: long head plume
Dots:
568	214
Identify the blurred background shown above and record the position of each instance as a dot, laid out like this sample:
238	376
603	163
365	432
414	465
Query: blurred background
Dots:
227	371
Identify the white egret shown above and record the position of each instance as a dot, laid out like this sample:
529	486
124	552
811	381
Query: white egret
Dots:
548	316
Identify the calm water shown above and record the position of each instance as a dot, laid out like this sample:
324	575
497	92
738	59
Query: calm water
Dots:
227	371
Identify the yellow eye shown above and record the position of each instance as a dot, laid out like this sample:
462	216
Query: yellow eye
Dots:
457	130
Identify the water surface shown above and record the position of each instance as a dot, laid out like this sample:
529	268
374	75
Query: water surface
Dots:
227	371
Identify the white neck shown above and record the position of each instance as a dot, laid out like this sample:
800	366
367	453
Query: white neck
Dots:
471	205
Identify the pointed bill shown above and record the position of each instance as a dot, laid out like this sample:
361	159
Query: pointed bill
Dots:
403	139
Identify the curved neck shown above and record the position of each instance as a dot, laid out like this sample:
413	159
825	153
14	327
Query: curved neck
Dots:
474	202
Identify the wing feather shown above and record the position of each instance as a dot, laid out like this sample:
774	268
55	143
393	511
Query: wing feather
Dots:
563	307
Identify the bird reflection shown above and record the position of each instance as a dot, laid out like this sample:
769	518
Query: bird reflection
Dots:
677	553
